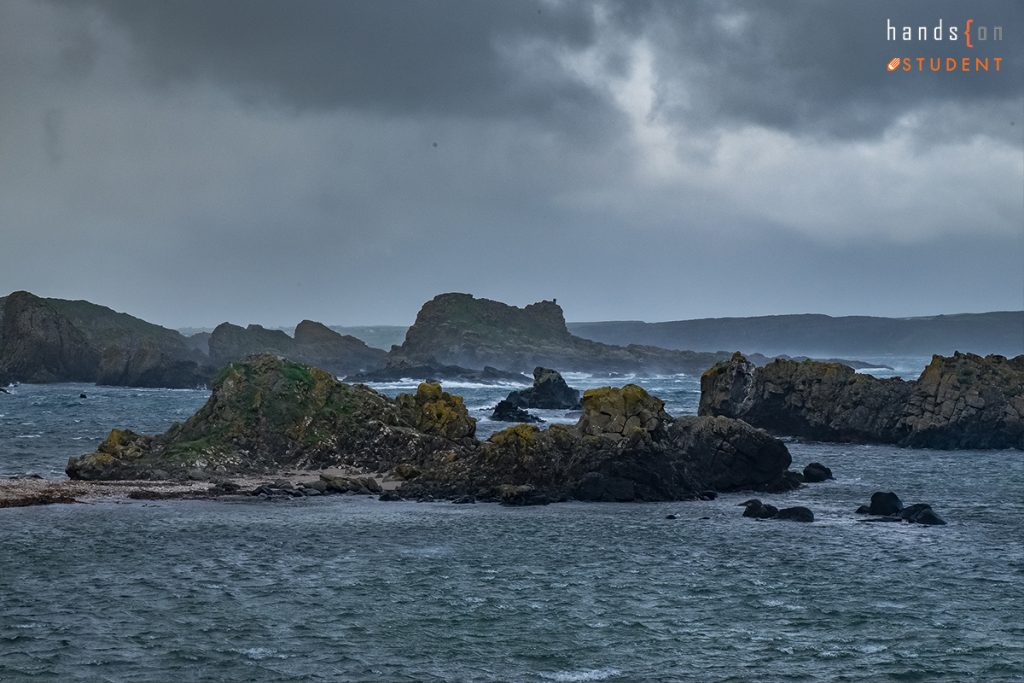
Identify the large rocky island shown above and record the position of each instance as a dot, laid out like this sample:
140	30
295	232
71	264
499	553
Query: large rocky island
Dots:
56	340
458	329
267	414
960	401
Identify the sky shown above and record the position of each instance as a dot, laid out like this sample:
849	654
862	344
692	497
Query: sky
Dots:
197	161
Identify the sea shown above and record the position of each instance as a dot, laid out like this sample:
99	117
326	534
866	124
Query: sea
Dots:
348	588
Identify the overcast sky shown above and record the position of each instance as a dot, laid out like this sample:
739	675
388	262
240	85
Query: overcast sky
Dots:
205	160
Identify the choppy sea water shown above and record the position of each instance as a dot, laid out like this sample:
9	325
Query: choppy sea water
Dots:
346	588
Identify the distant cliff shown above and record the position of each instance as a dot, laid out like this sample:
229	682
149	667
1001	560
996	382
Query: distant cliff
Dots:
458	329
53	340
963	401
824	336
313	343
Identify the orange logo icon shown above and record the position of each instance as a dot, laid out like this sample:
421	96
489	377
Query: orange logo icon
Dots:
893	64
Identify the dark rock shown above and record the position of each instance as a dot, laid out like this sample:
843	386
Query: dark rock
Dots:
884	503
340	354
863	510
961	401
549	391
434	411
506	411
461	330
796	514
464	500
267	414
920	513
816	472
389	497
39	344
670	517
758	510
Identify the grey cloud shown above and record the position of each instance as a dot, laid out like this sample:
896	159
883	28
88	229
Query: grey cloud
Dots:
266	162
818	67
404	58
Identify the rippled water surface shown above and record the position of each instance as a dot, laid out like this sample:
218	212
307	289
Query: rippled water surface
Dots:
347	588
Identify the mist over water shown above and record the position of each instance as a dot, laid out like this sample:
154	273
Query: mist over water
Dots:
348	588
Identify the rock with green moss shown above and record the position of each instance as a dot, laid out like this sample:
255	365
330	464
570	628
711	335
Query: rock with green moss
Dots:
434	411
960	401
266	413
624	448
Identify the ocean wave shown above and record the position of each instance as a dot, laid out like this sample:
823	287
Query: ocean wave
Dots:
412	384
580	675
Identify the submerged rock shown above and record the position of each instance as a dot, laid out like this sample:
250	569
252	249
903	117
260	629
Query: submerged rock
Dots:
962	401
756	509
797	513
886	506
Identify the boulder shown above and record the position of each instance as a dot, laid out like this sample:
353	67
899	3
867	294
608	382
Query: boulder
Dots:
622	412
795	514
921	513
758	510
549	391
506	411
884	503
815	473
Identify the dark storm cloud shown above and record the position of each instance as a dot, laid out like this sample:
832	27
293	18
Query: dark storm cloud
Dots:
269	161
818	67
802	65
448	58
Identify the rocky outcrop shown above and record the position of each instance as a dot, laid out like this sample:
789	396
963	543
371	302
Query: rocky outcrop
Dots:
267	414
549	392
313	343
54	340
341	354
624	448
962	401
458	329
229	342
433	411
886	506
506	411
967	401
39	344
815	473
